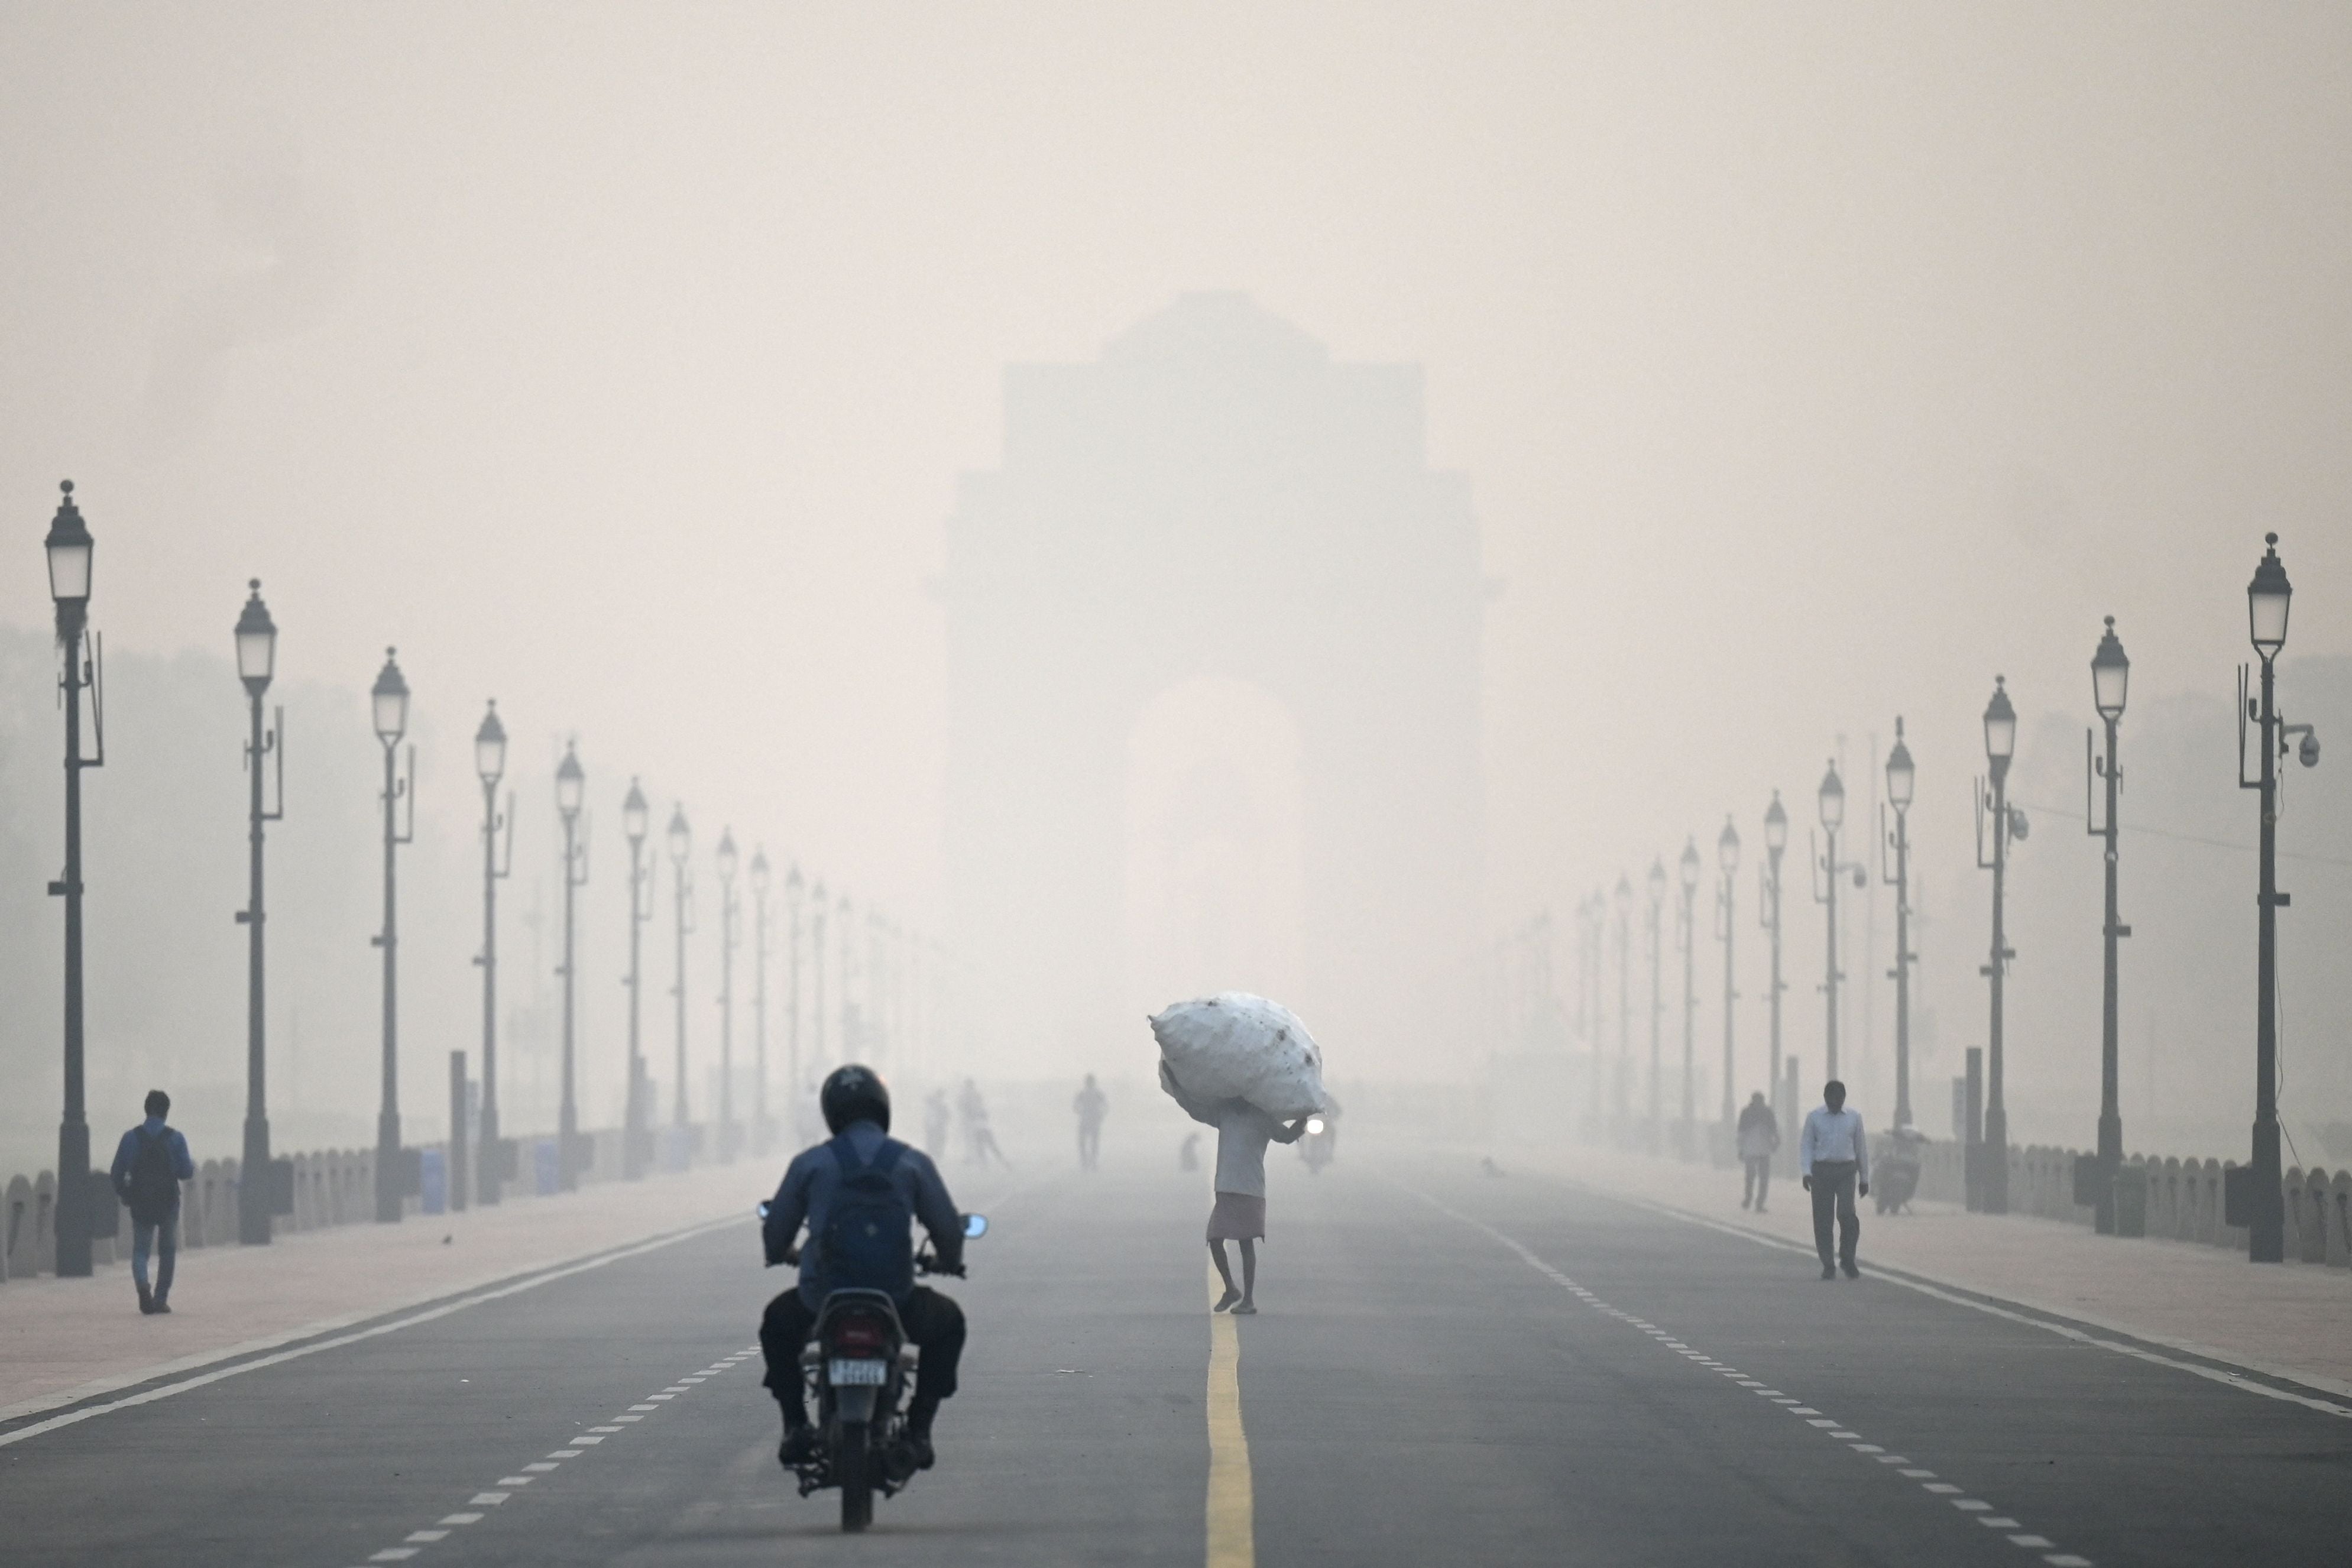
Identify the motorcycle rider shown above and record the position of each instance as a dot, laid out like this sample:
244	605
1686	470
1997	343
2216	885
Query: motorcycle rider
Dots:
856	1107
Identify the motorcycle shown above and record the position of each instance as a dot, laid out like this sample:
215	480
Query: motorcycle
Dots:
1897	1171
860	1367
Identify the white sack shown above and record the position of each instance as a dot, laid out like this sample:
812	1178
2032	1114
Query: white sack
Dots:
1240	1047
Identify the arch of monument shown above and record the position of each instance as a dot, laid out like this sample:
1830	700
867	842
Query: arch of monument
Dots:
1213	646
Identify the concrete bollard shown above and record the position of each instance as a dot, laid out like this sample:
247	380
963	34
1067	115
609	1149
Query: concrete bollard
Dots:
45	1223
2313	1214
2341	1221
20	1237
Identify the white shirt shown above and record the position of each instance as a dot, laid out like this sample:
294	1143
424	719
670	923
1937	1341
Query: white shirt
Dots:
1243	1132
1833	1135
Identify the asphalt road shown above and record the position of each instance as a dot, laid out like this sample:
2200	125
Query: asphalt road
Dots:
1448	1368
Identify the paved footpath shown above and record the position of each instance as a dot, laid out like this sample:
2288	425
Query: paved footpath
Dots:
63	1340
1449	1368
2291	1320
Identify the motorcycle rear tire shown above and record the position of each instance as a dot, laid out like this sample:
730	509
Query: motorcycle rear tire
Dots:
853	1465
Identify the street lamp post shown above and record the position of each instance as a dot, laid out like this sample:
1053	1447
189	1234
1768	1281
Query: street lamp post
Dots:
571	787
2110	682
1657	882
1624	899
853	1021
256	662
1688	931
1901	780
794	891
490	763
2268	598
388	706
681	843
1776	844
1832	807
1727	858
636	1133
759	1000
724	857
70	550
2001	746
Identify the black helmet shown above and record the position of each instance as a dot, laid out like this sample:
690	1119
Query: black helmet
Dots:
855	1093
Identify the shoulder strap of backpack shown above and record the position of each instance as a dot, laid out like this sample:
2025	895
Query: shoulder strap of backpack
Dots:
886	1159
845	1158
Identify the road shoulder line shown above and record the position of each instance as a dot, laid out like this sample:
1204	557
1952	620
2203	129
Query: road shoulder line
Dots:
81	1405
2219	1366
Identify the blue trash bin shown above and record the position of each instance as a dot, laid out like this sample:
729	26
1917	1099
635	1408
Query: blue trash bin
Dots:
433	1180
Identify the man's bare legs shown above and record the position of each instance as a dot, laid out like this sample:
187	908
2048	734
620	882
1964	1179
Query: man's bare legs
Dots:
1225	1273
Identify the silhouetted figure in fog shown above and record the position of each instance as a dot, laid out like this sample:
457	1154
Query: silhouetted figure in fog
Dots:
980	1143
1090	1105
150	1163
1188	1153
1834	1155
1760	1140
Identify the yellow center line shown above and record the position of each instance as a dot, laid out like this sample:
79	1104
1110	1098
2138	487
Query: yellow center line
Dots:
1232	1542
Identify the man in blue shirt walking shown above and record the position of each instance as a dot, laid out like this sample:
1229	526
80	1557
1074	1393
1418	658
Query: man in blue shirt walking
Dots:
150	1163
1834	1156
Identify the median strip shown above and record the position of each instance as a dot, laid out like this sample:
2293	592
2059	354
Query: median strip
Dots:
1231	1530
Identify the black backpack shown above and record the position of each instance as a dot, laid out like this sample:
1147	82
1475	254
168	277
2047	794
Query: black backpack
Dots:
154	1188
869	1229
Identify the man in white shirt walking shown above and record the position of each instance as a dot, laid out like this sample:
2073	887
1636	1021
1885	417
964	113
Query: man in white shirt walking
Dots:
1834	1156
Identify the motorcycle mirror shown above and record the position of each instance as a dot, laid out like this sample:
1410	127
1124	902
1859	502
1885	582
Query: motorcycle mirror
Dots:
975	1226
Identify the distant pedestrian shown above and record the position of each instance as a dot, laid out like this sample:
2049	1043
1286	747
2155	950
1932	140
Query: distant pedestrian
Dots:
1188	1153
1760	1140
1090	1105
150	1163
1834	1155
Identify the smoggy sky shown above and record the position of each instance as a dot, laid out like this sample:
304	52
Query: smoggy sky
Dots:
1809	362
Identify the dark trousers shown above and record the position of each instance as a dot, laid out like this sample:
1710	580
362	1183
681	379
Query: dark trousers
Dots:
934	1325
1833	1193
162	1237
1759	1181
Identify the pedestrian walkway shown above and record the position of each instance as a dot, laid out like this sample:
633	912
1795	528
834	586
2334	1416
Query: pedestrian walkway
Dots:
2291	1320
63	1340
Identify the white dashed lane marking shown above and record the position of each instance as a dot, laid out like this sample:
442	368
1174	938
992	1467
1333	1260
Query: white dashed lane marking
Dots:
582	1443
1829	1426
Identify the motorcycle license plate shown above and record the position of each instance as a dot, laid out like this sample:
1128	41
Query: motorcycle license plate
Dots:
858	1374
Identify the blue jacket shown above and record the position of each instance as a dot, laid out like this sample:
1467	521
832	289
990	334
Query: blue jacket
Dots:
127	1151
806	1196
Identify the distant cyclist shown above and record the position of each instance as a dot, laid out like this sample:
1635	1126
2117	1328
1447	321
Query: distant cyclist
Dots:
861	1167
150	1163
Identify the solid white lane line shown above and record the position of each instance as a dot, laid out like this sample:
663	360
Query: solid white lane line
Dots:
529	1282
